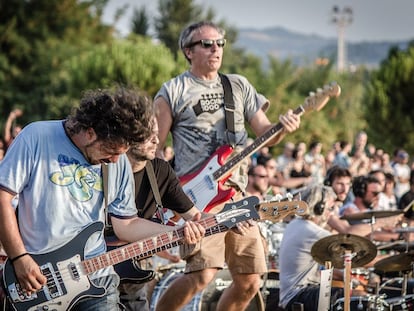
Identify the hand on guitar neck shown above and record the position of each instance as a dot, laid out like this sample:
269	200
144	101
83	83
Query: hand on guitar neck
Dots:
206	187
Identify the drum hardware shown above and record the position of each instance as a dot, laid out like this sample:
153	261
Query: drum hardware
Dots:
365	303
332	248
372	215
344	251
399	246
385	285
401	303
398	263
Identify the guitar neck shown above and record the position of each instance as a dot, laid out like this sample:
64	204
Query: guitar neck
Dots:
145	248
253	147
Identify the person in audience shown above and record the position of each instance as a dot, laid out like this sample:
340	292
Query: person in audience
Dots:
407	200
401	172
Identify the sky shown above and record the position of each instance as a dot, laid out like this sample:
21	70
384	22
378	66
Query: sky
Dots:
372	20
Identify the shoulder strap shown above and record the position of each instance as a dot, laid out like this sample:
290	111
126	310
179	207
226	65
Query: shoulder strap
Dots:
108	225
229	108
154	186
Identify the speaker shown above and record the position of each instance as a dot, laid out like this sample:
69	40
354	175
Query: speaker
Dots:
320	206
359	186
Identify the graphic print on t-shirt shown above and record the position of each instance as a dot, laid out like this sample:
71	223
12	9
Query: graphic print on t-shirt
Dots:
209	103
79	179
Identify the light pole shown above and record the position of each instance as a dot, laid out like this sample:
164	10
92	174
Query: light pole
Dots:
342	18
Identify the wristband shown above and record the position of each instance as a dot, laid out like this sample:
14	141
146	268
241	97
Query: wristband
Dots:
12	260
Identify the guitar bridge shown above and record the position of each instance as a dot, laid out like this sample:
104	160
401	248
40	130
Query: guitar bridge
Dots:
51	290
17	294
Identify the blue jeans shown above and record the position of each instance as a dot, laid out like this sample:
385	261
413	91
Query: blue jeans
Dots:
108	302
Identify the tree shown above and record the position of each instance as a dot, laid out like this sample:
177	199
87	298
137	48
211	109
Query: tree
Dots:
140	21
389	101
135	61
37	36
174	16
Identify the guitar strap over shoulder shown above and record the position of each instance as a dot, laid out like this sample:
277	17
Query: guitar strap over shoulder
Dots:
154	186
229	108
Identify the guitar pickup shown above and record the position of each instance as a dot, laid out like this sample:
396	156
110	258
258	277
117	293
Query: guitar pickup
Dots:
209	181
53	288
191	195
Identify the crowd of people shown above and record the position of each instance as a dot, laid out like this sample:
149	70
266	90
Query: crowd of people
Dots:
362	184
52	187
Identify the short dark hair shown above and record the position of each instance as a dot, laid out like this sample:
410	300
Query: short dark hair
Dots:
360	184
334	172
187	34
119	116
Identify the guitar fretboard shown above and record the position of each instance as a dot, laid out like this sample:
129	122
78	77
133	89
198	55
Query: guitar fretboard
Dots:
249	150
148	247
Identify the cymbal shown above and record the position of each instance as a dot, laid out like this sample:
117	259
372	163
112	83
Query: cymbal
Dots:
332	248
371	214
401	262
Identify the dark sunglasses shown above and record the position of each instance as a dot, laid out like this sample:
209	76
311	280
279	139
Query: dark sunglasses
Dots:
208	43
260	176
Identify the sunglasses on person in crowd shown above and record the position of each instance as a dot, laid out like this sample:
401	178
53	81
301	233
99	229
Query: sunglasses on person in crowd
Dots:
208	43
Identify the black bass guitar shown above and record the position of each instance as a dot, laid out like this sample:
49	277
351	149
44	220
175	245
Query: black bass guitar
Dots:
67	271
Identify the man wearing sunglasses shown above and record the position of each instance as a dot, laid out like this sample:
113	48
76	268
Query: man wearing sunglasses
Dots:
191	106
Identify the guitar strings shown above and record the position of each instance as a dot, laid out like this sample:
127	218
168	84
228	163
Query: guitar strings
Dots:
162	241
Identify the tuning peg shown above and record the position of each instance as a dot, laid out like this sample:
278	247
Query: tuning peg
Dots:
289	196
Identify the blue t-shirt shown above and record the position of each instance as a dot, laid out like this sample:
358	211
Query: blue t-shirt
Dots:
59	191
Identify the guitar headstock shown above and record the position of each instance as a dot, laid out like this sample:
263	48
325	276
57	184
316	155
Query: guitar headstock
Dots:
317	100
235	212
277	210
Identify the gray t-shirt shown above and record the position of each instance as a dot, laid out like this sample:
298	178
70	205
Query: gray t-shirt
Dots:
199	126
297	266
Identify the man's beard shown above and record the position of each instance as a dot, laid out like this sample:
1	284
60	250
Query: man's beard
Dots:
368	204
141	156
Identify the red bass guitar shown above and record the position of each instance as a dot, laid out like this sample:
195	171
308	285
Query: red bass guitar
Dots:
205	187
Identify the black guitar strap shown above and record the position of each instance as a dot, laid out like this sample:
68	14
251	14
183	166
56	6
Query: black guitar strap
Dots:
154	186
229	108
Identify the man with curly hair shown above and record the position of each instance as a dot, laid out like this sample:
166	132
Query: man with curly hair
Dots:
56	169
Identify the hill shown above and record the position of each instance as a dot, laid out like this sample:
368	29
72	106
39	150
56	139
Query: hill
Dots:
304	49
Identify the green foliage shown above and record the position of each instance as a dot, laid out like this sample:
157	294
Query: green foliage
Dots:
389	101
135	61
140	21
174	16
53	50
37	36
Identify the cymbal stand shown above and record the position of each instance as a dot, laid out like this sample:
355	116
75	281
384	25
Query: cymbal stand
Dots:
404	284
347	279
373	220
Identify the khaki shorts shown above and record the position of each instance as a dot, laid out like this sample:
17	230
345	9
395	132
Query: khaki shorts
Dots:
242	253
